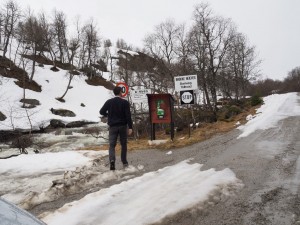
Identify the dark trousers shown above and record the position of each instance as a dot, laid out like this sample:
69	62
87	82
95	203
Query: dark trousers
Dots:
114	132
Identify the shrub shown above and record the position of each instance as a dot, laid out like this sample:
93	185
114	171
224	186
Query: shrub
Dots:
22	143
232	110
256	100
228	112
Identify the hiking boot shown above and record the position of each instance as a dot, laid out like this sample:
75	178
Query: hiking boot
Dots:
112	165
125	165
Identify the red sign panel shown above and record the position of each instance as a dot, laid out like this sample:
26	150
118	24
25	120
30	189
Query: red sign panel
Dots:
160	108
124	87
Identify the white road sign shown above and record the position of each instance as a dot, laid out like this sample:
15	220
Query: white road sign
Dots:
187	97
138	96
188	82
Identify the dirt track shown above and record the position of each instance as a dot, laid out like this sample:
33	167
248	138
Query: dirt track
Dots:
267	162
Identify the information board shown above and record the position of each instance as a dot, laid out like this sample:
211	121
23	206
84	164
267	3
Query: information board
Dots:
188	82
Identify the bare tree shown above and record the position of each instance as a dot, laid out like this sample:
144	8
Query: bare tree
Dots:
244	64
108	57
70	74
92	45
121	44
198	54
11	13
34	32
59	28
52	45
211	36
182	51
13	114
292	82
71	48
162	44
60	46
1	27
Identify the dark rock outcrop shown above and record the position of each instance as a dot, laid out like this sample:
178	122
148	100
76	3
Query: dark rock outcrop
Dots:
63	112
100	81
57	124
31	102
76	124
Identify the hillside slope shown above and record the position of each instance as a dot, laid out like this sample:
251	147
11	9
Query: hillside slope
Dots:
82	99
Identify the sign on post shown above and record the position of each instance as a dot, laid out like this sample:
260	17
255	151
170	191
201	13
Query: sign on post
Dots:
139	96
124	87
188	82
161	110
187	97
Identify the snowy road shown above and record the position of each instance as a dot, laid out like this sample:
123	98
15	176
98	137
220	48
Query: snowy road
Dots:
230	179
268	164
266	161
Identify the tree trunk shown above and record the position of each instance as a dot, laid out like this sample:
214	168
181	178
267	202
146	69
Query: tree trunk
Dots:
70	79
33	64
6	44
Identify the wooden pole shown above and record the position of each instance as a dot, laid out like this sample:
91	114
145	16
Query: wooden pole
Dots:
172	118
152	131
189	121
135	126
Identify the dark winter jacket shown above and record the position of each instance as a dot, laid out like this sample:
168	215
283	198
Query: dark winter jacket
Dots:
118	112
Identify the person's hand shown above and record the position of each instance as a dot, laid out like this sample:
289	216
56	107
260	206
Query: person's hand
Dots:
103	119
129	131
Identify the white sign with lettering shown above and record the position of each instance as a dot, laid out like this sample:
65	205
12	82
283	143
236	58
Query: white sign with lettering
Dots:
188	82
138	96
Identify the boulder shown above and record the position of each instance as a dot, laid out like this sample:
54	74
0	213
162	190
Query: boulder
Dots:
63	112
76	124
29	101
57	124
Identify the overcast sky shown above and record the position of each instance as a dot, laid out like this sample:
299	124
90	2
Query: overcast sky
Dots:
271	25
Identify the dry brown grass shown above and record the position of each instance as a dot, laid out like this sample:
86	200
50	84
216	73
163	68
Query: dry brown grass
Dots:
182	138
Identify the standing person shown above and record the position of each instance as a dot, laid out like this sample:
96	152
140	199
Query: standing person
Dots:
117	110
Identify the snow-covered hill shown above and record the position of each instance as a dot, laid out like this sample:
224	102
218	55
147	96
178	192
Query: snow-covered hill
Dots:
83	99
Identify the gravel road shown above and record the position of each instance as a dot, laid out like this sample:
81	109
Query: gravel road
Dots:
267	162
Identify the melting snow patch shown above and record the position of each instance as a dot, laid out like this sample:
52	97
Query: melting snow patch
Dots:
157	142
168	191
275	108
140	167
249	117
